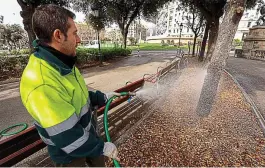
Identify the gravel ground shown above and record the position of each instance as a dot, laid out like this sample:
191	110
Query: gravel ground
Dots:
174	135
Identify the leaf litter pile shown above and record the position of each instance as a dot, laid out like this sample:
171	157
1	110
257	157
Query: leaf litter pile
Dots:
174	135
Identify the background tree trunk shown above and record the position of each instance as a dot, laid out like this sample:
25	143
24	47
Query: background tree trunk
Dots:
125	33
26	14
194	45
204	42
213	34
227	32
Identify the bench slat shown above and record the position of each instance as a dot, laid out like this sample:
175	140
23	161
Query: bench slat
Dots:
21	154
118	111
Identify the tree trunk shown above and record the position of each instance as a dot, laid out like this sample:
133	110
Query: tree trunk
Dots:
227	32
26	14
125	33
194	45
213	34
204	42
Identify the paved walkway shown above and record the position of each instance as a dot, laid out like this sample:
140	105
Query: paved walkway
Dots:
251	76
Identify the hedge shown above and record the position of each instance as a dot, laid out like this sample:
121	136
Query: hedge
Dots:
14	66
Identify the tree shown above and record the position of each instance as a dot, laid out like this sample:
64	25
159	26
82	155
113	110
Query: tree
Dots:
12	34
132	40
24	41
204	42
28	7
196	23
122	12
233	13
97	22
212	10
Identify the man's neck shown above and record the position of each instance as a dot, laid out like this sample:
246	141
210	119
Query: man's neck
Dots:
67	60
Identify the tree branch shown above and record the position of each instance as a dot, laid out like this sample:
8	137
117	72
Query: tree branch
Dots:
134	14
205	12
22	4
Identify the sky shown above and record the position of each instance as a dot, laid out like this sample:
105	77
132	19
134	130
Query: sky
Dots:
10	9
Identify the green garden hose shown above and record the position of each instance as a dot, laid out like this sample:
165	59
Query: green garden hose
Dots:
115	162
4	131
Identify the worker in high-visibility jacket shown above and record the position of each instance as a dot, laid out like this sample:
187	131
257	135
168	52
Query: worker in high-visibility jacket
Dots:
55	94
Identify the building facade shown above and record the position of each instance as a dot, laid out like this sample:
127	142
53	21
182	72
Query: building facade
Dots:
168	25
172	15
113	33
248	20
169	19
137	30
87	33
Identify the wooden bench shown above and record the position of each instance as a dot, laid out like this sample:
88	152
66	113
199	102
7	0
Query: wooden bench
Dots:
161	72
18	147
183	60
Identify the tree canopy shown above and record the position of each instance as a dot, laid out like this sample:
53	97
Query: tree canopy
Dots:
28	7
12	34
121	12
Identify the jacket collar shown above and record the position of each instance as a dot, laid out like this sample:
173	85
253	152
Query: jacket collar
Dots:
42	53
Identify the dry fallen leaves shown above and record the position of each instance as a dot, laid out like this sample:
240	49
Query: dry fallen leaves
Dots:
175	136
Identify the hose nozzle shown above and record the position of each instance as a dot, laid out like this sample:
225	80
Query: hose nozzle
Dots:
131	93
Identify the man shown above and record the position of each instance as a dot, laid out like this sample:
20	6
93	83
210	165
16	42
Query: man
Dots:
54	93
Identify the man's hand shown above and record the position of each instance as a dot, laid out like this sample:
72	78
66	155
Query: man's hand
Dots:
110	150
111	94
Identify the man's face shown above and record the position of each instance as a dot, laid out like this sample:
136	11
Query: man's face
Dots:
71	42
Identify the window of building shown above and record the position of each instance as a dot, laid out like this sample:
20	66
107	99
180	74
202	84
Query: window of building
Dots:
169	31
188	30
174	31
246	15
249	24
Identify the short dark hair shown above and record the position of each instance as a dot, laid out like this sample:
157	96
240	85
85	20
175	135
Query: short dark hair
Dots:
47	18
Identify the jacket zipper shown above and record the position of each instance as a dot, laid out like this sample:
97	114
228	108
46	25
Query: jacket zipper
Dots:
84	95
79	83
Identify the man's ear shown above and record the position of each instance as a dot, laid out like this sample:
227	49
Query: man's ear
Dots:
58	36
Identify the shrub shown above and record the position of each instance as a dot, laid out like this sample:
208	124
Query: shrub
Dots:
14	66
14	52
165	44
237	42
92	54
24	51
